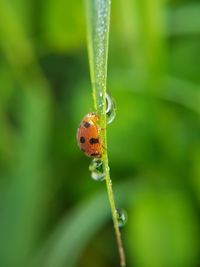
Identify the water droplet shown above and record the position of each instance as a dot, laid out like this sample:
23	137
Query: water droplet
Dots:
97	170
122	217
110	109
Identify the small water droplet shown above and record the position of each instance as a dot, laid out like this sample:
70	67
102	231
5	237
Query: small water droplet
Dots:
110	109
97	170
122	217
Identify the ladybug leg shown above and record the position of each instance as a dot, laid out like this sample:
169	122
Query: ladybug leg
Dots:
105	148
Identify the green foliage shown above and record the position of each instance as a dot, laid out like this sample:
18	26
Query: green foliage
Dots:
62	24
164	228
52	213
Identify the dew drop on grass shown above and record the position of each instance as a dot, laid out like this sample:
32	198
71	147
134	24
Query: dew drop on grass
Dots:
97	170
122	217
110	109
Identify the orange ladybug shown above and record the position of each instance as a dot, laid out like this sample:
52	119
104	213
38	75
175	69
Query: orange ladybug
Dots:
88	137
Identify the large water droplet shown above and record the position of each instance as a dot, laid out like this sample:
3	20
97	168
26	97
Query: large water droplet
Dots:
122	217
110	109
96	168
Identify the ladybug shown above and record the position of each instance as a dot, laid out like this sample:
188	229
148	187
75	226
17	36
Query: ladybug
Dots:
88	137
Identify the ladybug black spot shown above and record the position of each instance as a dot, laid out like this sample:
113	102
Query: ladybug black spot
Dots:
86	124
82	140
94	141
94	154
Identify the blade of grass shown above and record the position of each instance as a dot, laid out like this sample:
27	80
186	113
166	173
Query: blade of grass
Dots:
98	16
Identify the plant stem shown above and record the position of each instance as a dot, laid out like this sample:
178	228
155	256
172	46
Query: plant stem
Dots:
113	210
98	16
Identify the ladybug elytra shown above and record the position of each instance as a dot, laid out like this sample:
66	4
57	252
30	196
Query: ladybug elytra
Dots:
88	136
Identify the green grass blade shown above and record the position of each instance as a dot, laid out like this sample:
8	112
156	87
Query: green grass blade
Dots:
98	15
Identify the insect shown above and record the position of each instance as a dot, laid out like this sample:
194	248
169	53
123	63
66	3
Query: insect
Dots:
88	136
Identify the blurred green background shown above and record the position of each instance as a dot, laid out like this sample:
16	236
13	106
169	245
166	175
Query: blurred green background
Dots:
52	214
